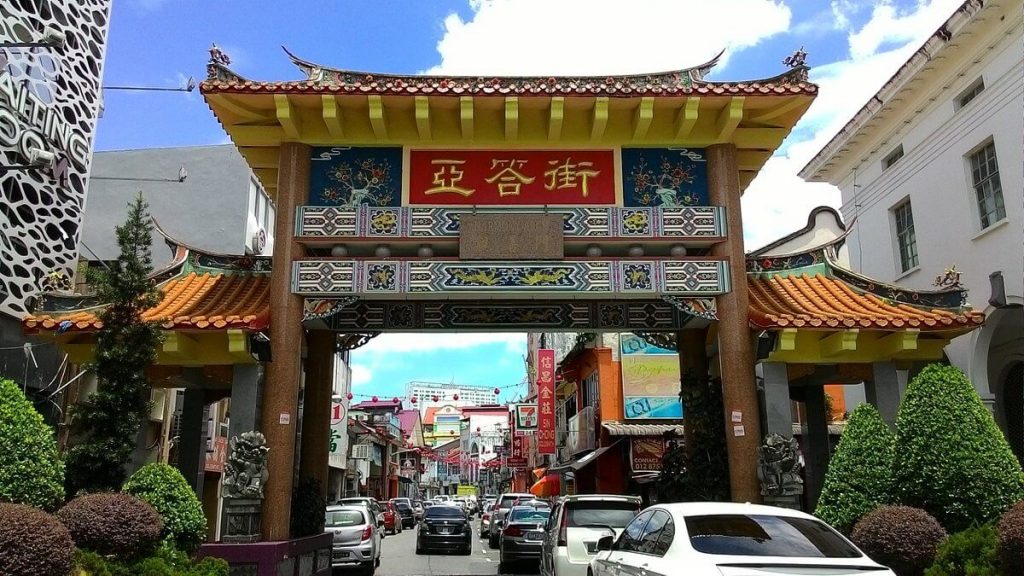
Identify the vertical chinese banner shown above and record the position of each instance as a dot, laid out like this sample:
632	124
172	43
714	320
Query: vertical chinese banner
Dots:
546	401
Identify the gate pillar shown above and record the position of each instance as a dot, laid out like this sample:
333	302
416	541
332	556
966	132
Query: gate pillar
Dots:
735	348
316	407
283	372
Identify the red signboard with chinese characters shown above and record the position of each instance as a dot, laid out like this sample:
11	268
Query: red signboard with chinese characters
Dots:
546	401
512	177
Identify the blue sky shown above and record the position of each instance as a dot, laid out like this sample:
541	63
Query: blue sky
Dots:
854	46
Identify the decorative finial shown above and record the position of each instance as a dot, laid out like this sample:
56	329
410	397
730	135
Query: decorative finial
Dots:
950	278
796	59
218	56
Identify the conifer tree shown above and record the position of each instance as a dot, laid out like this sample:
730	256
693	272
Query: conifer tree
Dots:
108	422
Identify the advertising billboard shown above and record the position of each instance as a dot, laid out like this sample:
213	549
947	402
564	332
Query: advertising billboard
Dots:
650	380
525	418
546	401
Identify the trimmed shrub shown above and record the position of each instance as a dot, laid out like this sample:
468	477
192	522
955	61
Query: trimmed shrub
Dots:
166	562
900	537
33	543
27	450
1011	539
113	524
167	491
968	553
859	476
951	458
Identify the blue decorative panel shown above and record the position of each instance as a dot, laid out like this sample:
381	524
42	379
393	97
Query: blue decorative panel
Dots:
350	177
664	177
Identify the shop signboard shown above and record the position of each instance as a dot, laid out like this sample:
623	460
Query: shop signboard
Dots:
525	419
517	462
546	401
217	456
650	380
338	446
646	453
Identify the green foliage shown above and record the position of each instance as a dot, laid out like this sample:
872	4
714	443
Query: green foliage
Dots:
971	552
706	464
859	476
951	459
91	563
113	524
166	562
900	537
166	490
308	504
31	471
125	347
33	543
1011	539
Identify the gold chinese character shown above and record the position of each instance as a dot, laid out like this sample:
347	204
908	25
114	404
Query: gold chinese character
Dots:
565	175
509	178
446	179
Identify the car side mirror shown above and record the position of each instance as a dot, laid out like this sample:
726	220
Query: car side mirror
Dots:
605	543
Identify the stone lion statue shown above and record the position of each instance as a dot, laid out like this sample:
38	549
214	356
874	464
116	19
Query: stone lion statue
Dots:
779	466
246	470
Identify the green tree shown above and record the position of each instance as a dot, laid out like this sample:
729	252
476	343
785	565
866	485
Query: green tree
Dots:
167	491
31	471
859	476
109	421
951	458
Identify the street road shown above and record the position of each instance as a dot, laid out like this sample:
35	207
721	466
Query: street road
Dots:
398	558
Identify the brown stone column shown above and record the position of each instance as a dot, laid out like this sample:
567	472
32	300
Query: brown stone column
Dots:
281	382
735	349
316	407
693	356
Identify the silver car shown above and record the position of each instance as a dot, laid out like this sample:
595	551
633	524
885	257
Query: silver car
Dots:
576	525
504	504
357	539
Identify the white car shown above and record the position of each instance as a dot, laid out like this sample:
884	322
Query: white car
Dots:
576	524
725	539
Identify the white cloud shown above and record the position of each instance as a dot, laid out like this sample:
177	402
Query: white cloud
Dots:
888	26
361	375
523	37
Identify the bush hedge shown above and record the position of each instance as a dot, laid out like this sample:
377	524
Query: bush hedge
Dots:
951	458
115	524
971	552
33	543
859	475
167	491
900	537
165	562
27	450
1011	540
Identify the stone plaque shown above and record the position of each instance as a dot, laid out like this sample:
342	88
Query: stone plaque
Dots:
511	237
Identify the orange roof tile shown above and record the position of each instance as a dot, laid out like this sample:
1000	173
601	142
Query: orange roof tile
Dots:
430	414
820	301
193	301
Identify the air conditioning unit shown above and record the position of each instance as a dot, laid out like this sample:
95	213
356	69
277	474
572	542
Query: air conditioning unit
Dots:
158	401
362	452
259	241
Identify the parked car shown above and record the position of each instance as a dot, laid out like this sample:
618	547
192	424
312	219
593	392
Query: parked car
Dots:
485	506
727	539
392	521
575	526
417	509
444	528
501	507
405	512
371	504
522	535
357	538
486	509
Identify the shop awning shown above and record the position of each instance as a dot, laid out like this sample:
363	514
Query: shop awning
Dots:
616	428
546	487
585	460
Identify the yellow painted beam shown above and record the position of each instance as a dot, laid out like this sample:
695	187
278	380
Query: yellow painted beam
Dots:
764	138
556	115
839	342
511	117
466	116
600	119
687	117
332	115
752	160
729	118
775	111
238	345
423	117
268	176
643	118
787	339
261	157
257	135
288	117
376	111
226	102
898	342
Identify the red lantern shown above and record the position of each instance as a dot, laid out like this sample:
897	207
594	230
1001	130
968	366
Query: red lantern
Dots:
434	398
451	432
455	397
477	429
413	400
375	399
395	400
497	391
349	395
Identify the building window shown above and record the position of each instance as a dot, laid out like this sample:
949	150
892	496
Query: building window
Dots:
906	240
892	157
970	93
987	188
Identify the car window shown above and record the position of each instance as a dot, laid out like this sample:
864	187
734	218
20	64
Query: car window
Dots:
629	541
654	532
531	516
553	517
343	518
444	512
614	514
765	535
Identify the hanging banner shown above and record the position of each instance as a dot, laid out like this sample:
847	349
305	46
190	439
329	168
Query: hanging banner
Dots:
650	380
546	401
512	177
338	445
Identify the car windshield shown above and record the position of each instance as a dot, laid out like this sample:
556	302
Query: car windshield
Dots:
613	514
506	503
763	535
444	512
354	502
342	518
534	516
402	506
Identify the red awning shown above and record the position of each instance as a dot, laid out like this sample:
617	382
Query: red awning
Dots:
546	487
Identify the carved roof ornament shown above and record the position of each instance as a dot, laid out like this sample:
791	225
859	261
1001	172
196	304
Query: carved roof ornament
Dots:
796	59
218	56
950	278
217	66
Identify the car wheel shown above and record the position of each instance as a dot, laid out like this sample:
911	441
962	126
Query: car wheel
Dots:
502	567
419	551
369	568
492	542
376	562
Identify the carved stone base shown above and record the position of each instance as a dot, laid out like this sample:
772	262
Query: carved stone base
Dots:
791	502
241	521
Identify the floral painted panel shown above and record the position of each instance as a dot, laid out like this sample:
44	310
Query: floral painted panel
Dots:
664	177
350	177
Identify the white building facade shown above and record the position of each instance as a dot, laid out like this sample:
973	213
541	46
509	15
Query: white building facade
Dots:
931	173
425	392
